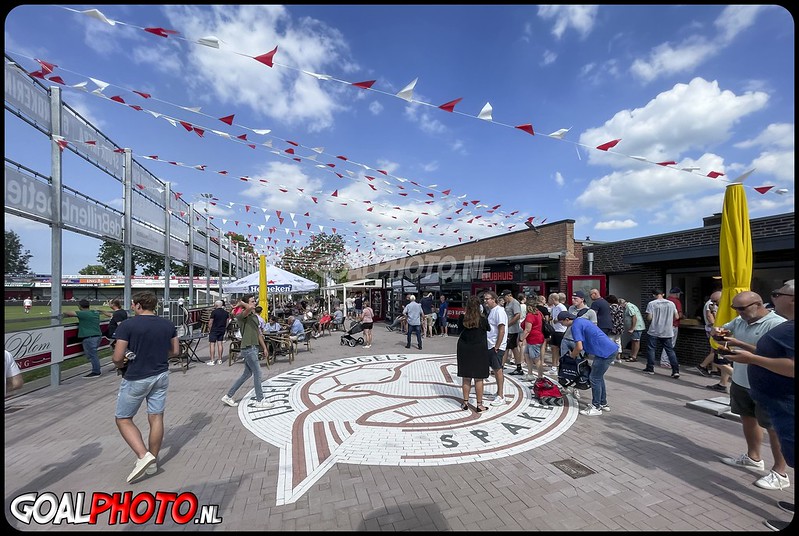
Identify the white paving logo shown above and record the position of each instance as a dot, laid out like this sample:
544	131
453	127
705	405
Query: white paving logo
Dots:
392	410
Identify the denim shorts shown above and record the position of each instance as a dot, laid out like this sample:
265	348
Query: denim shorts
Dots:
636	335
533	351
133	393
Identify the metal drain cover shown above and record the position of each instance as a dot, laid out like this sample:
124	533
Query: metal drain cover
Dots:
573	468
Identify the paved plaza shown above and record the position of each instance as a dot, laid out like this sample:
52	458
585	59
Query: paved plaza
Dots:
374	439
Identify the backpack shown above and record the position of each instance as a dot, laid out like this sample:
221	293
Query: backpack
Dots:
547	392
574	372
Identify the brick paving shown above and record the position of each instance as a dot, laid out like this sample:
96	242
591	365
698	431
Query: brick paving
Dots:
656	461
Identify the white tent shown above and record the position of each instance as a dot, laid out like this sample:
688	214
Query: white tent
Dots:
352	286
278	281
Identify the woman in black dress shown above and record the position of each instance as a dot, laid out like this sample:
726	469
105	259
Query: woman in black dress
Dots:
473	352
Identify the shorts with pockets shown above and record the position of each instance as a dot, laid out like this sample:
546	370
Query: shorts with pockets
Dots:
133	393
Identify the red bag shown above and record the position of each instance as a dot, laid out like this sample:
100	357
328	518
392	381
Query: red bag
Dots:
547	392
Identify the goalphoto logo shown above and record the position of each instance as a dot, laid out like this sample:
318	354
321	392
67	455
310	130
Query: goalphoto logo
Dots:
400	410
115	508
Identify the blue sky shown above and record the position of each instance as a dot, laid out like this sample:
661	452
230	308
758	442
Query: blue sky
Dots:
708	87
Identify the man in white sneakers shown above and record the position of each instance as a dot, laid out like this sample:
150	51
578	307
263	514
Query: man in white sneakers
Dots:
497	339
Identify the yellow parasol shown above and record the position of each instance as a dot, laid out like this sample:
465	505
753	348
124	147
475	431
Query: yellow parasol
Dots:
262	288
735	250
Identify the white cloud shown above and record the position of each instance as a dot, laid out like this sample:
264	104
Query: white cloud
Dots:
430	166
612	225
376	108
548	57
580	18
776	134
691	116
559	180
667	59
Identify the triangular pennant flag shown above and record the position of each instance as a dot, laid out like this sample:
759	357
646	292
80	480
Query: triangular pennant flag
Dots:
227	119
161	32
485	113
450	106
364	85
608	145
763	189
527	128
715	174
407	92
267	59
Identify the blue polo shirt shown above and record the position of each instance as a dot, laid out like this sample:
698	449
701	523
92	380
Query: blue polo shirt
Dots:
594	340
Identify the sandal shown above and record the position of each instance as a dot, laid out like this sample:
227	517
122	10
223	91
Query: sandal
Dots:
465	406
481	409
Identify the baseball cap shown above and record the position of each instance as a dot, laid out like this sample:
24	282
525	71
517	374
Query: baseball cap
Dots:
507	292
564	315
675	290
579	294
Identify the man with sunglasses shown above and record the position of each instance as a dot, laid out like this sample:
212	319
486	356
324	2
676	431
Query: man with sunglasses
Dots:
770	371
754	320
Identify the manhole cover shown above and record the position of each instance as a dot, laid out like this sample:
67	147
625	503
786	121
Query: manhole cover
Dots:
573	468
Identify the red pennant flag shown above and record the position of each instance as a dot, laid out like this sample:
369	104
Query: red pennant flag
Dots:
446	192
186	125
117	98
334	230
246	208
199	131
313	199
364	85
370	178
137	108
140	186
308	225
450	106
342	157
227	119
177	195
57	79
430	195
715	174
223	172
161	32
307	214
474	202
278	213
331	165
608	145
383	172
267	59
144	95
47	67
763	189
339	175
667	163
282	220
236	222
334	194
416	220
294	143
295	158
420	230
289	151
242	137
369	209
372	186
37	74
527	128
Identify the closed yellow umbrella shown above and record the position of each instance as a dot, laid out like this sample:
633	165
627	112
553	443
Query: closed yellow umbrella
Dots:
735	251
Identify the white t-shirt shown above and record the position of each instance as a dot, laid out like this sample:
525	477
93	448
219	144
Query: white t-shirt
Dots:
554	311
497	316
709	306
12	369
27	302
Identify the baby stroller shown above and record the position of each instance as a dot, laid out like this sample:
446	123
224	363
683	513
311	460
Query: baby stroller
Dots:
348	338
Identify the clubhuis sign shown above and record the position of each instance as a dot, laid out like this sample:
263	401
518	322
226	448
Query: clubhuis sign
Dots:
497	276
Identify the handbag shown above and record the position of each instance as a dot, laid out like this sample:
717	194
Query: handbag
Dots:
547	329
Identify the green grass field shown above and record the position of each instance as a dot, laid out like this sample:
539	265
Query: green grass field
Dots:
39	317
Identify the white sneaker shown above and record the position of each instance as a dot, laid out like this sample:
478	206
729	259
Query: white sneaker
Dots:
553	370
773	480
141	466
529	377
219	362
262	404
604	407
367	346
591	411
210	363
498	401
229	401
744	461
152	469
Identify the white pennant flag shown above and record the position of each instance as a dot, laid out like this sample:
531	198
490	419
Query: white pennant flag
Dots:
485	113
407	92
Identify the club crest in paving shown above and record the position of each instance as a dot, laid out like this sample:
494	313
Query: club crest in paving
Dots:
396	409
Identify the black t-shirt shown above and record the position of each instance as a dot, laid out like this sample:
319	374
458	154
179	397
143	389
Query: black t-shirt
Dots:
219	320
427	305
150	338
116	319
358	303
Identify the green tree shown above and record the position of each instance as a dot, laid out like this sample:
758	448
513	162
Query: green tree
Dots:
112	256
324	256
16	260
93	269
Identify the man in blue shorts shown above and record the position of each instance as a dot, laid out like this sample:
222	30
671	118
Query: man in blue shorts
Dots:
153	340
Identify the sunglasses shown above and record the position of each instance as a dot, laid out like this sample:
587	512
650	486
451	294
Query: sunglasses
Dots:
777	293
742	307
